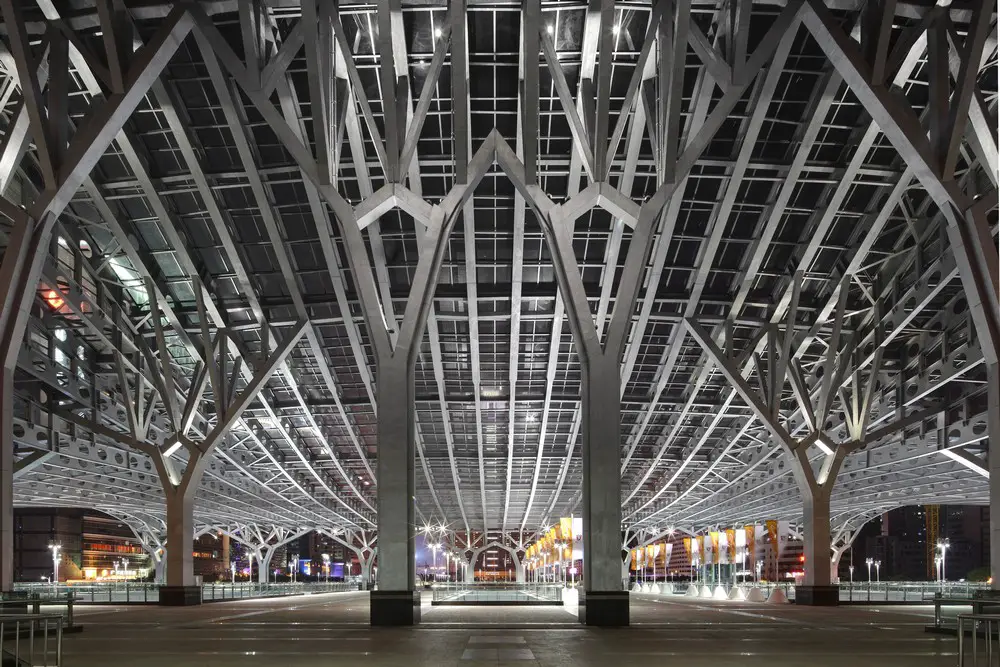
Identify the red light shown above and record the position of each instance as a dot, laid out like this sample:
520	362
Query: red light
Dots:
802	559
54	299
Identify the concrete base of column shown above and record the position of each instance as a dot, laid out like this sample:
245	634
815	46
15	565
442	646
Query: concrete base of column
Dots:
180	596
818	596
395	608
604	608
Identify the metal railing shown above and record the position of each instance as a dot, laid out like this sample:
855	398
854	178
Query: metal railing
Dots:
983	640
907	591
31	640
506	593
241	591
146	592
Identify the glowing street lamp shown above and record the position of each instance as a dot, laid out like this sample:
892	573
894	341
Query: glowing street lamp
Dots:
943	548
326	566
56	548
878	564
869	562
434	548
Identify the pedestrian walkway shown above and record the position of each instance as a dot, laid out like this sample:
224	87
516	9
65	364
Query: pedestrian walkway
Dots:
332	629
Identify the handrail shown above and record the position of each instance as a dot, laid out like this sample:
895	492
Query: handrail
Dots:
987	625
30	639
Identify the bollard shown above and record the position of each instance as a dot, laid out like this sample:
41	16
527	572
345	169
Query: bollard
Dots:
69	609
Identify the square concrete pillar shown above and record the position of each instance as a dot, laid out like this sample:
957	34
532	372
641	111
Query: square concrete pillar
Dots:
396	602
602	600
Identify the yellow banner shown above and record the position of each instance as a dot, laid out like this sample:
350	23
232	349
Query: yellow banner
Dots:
651	554
687	548
715	545
731	544
772	534
750	543
566	527
699	548
635	560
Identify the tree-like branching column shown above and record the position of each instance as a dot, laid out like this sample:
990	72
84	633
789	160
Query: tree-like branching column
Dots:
198	414
805	421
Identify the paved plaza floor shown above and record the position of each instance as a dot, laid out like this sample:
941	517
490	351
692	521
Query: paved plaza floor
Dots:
332	629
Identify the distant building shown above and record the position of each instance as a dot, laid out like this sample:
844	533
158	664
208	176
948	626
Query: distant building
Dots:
90	544
93	545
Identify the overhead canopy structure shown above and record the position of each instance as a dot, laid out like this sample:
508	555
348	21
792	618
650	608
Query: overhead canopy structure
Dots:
776	220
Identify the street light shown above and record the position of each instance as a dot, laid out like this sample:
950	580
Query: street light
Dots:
434	549
869	562
943	548
55	562
878	564
850	568
937	567
326	565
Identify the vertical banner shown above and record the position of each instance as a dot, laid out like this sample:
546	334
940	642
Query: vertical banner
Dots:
751	544
635	560
715	545
772	535
687	549
668	551
566	528
699	548
651	555
731	543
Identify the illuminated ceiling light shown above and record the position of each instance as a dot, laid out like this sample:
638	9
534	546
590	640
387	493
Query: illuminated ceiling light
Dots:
550	29
437	33
616	29
54	299
172	449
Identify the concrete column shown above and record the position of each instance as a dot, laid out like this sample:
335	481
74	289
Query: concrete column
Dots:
264	564
396	601
603	600
180	588
817	587
816	539
159	568
226	552
993	426
6	479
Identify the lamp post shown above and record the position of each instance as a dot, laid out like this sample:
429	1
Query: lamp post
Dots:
250	566
232	568
878	564
869	562
760	568
326	566
434	549
943	548
937	568
56	548
850	568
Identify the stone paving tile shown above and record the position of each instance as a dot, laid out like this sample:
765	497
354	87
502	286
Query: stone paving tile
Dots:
332	630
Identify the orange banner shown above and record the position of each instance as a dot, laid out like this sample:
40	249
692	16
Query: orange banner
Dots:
751	550
715	546
687	548
699	543
772	534
635	560
731	544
